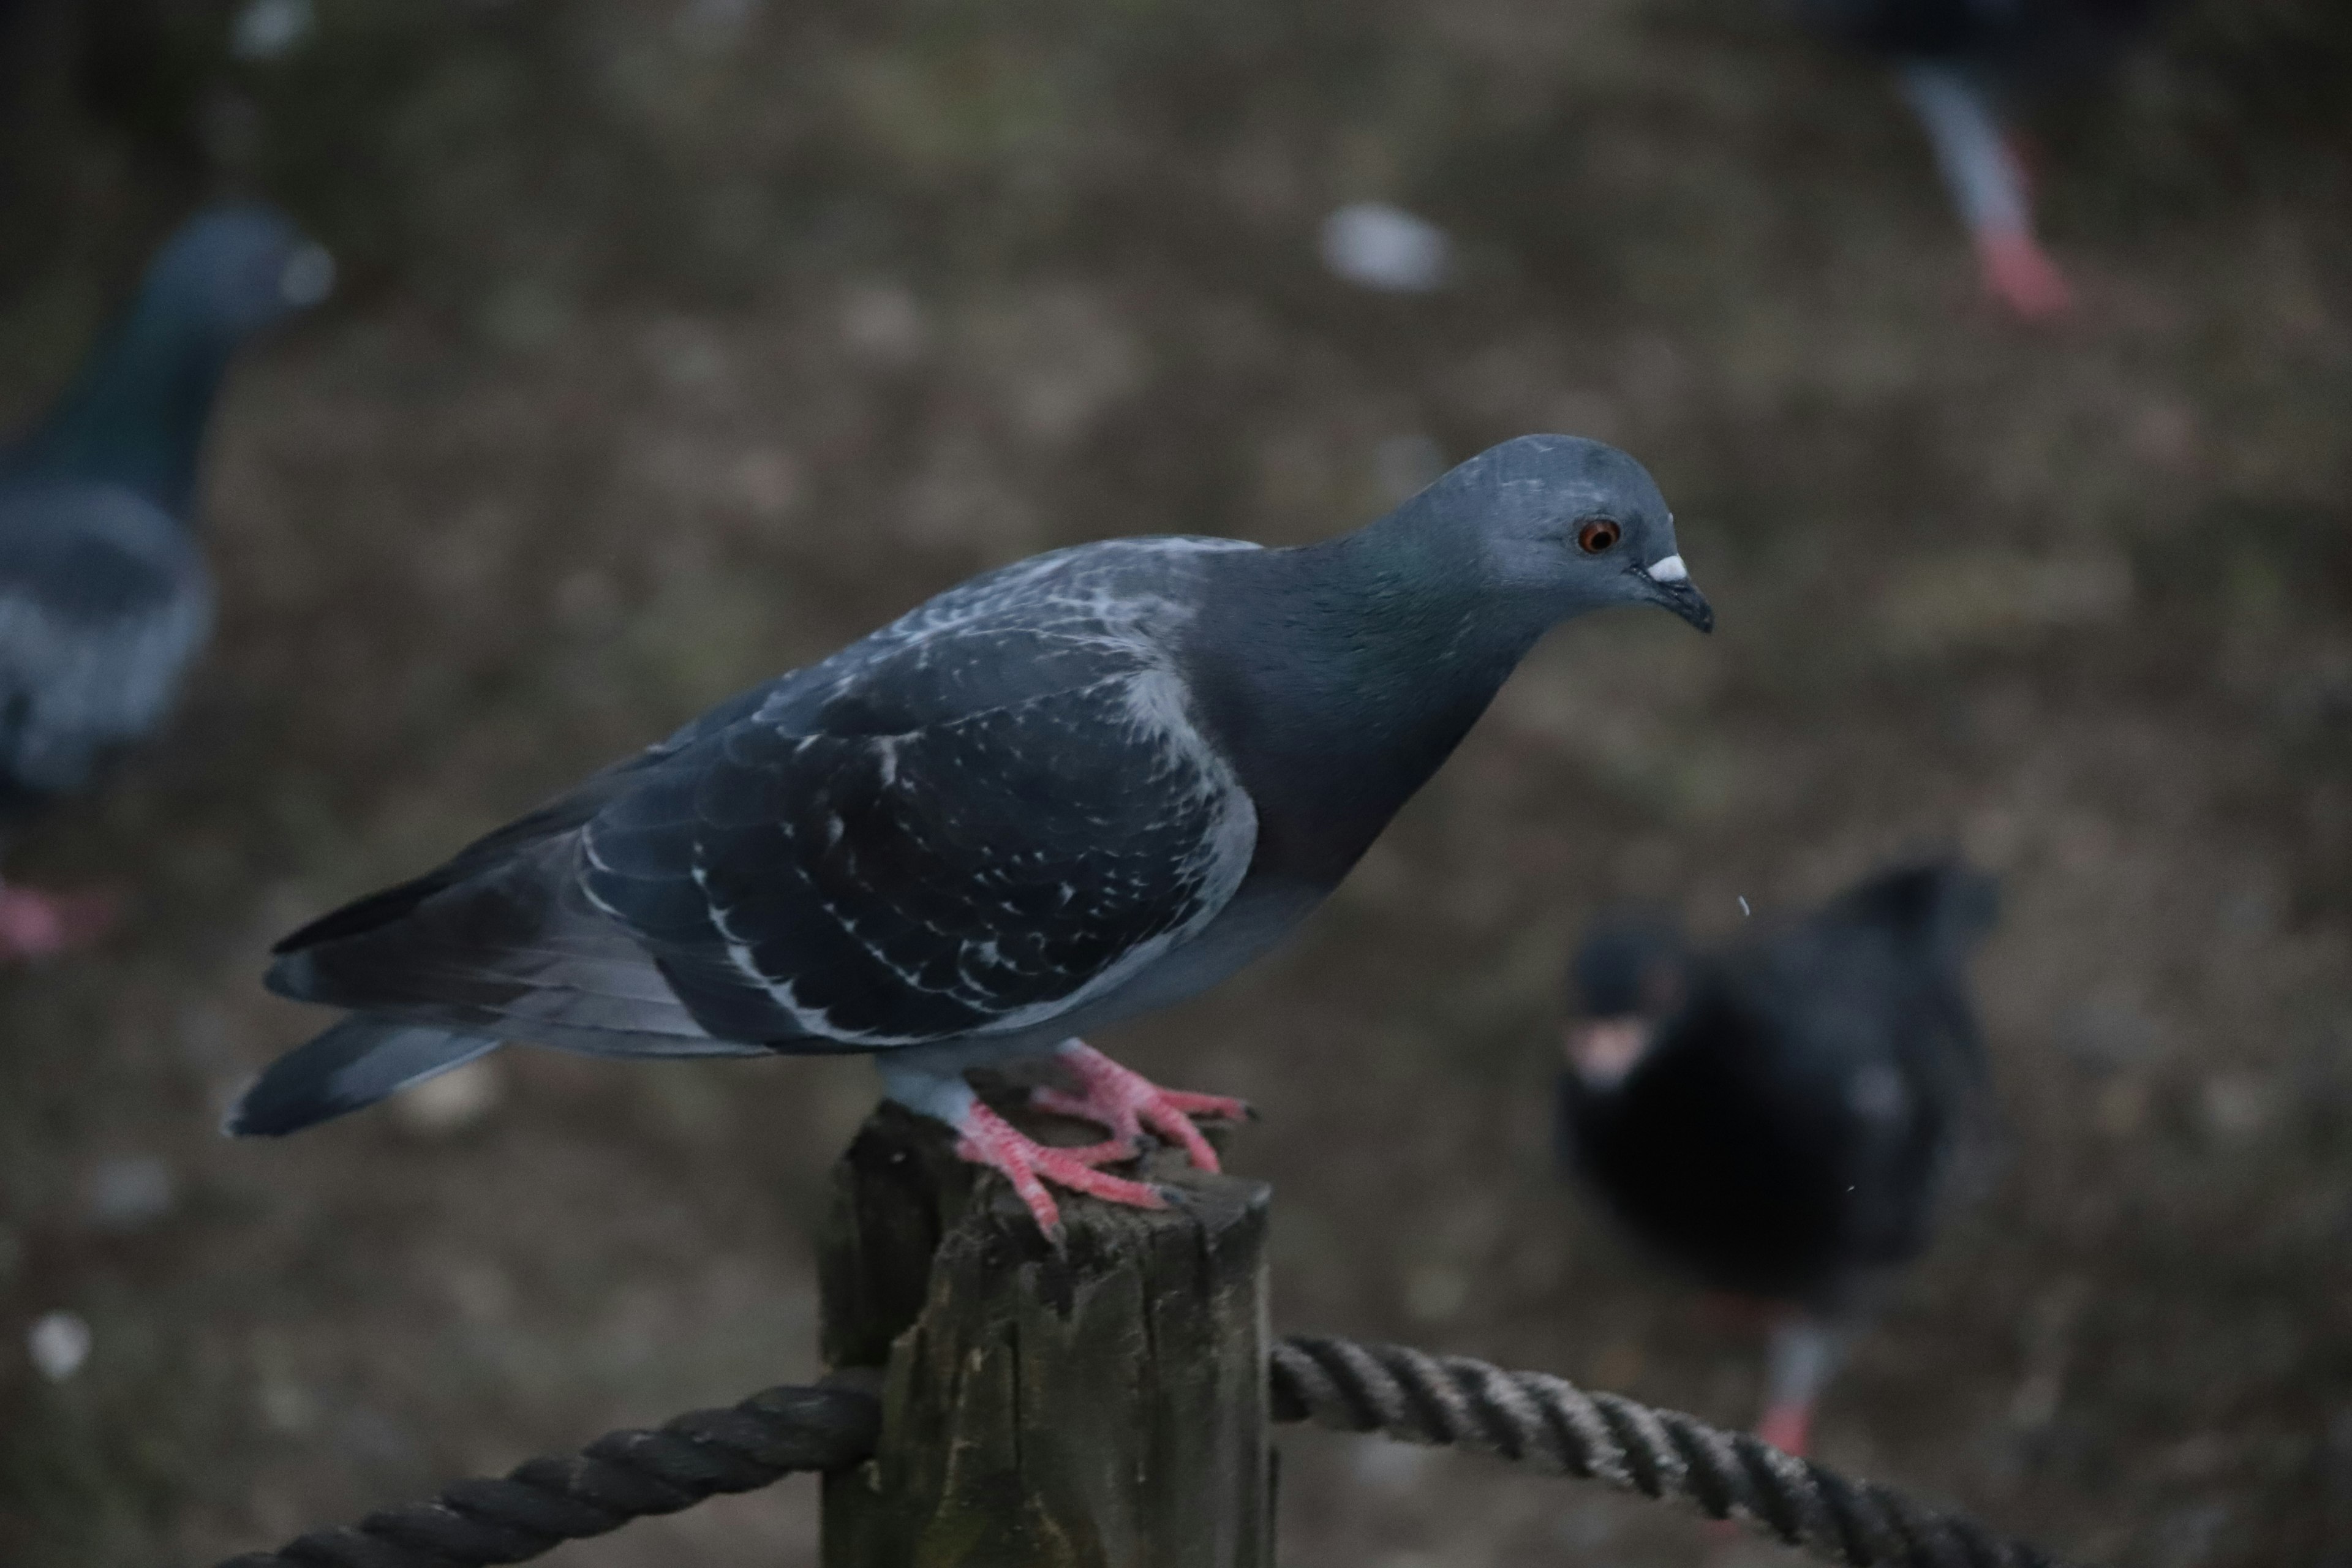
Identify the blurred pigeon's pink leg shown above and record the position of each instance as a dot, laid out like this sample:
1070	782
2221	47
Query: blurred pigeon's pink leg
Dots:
1991	185
1788	1425
42	925
1126	1103
987	1139
1802	1353
2019	273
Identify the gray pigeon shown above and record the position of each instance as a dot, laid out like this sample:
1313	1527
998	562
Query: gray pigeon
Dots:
104	598
1068	792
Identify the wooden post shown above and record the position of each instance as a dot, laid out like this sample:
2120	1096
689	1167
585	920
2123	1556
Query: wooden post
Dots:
1104	1407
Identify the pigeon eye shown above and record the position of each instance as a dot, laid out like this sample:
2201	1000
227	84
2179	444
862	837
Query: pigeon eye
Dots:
1598	534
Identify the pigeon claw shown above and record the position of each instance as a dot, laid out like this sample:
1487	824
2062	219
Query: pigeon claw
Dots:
1129	1104
2019	274
1110	1151
987	1140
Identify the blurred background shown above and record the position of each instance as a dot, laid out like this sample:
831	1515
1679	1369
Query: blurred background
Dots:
679	341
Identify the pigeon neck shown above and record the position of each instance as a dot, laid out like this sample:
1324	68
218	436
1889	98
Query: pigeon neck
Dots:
1341	685
135	415
1402	623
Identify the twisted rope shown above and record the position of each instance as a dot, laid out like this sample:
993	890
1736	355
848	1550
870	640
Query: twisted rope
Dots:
541	1503
1551	1425
1525	1417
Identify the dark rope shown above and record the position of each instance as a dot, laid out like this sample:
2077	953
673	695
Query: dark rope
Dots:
1551	1425
541	1503
1525	1417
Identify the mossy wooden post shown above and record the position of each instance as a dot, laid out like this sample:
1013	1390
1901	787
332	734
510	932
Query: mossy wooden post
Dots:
1105	1408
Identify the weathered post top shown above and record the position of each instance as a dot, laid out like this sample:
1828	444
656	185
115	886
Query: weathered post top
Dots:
1101	1407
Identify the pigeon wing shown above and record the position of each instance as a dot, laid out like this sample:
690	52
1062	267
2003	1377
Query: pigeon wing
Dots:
489	856
973	838
970	828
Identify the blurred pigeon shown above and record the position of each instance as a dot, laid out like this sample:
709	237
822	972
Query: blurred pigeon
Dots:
1964	65
1084	786
1376	246
104	597
1785	1120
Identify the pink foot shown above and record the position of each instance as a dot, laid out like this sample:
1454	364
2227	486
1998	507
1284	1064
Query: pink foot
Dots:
1788	1428
2019	273
41	925
1126	1103
988	1140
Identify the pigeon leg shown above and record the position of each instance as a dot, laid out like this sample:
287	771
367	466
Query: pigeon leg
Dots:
35	925
1126	1103
987	1139
1801	1353
1989	186
1788	1428
2019	274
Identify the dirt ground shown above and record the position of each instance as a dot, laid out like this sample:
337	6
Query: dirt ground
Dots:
683	341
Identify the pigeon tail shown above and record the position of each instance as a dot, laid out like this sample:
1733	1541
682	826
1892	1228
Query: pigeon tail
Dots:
350	1067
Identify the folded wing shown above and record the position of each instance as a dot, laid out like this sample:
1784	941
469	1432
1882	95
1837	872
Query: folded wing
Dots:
965	833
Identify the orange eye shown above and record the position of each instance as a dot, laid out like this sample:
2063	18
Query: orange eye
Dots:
1598	534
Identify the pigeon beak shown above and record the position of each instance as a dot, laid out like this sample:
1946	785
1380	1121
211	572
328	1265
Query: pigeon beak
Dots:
1667	583
1602	1051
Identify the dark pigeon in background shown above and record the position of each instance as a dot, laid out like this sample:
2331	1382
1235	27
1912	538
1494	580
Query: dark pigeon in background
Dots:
1967	66
1785	1120
1087	785
104	597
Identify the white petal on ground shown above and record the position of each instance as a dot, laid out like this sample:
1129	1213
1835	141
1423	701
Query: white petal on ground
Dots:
58	1343
443	1106
1381	247
267	29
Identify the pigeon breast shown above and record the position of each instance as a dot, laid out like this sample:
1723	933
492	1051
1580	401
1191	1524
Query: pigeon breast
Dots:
104	600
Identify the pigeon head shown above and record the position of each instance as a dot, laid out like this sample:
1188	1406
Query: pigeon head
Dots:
238	268
1571	525
1629	966
1626	979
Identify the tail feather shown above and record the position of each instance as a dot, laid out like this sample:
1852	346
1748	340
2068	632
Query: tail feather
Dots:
354	1063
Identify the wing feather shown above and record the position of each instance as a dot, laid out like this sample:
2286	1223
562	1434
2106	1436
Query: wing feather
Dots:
972	823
